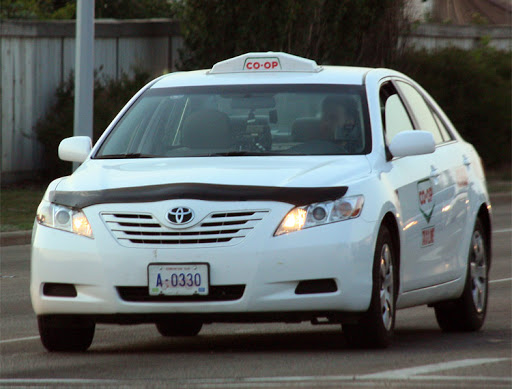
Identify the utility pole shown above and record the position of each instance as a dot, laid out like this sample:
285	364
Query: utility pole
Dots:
84	69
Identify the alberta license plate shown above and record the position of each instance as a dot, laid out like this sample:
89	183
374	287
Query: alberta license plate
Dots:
177	279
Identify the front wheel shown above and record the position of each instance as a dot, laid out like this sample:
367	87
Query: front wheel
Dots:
65	333
467	313
375	329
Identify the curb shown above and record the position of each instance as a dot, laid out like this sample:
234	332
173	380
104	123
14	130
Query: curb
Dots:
24	237
15	238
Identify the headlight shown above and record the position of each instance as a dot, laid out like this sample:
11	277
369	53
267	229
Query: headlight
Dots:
63	218
321	213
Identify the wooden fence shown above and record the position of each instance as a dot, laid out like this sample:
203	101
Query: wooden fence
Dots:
37	56
438	36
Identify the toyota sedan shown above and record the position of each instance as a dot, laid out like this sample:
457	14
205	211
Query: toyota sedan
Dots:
265	189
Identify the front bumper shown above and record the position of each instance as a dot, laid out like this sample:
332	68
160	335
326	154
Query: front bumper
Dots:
269	268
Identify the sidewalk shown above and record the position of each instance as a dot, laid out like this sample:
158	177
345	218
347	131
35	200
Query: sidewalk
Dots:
24	237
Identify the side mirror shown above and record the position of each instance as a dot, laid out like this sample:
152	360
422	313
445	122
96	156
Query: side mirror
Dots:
409	143
75	149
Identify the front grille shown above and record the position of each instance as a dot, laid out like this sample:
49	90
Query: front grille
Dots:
216	293
134	230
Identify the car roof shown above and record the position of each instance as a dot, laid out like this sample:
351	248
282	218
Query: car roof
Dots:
265	68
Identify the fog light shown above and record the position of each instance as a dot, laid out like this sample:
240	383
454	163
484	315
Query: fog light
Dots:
59	290
327	285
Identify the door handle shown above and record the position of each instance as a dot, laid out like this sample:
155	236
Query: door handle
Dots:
466	161
434	173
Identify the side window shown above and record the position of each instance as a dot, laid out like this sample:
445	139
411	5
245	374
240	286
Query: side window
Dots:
446	134
421	111
395	118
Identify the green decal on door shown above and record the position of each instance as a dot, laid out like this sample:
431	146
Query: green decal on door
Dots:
425	197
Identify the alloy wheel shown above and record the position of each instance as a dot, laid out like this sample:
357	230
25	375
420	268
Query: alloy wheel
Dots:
478	271
387	304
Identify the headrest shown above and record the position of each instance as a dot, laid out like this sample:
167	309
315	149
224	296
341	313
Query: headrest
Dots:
207	129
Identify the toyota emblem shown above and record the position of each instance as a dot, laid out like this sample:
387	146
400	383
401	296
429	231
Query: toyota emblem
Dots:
180	215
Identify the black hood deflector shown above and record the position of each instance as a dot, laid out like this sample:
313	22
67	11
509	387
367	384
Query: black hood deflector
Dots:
209	192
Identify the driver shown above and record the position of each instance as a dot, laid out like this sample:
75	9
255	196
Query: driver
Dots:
337	118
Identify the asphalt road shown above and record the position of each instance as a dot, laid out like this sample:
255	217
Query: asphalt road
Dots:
264	355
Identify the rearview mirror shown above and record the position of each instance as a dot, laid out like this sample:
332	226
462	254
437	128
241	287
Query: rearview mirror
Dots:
253	102
75	149
413	142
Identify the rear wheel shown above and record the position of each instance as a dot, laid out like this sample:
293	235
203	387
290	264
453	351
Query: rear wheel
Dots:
179	327
65	333
375	329
467	313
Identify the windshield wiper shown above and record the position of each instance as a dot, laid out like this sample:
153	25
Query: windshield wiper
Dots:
242	153
126	156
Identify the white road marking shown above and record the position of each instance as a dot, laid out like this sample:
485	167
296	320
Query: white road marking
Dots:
460	378
502	280
19	339
48	381
390	375
425	369
437	381
242	382
244	331
410	374
502	230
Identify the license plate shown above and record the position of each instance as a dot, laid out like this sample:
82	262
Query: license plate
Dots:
185	279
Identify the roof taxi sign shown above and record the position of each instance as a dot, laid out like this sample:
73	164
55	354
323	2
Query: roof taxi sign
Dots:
265	62
262	63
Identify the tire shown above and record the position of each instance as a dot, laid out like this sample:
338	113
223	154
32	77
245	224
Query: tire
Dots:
179	327
467	313
65	333
375	328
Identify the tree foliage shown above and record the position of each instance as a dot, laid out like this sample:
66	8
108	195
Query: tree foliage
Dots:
109	97
474	89
362	32
66	9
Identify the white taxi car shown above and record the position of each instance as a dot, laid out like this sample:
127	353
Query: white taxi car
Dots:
266	189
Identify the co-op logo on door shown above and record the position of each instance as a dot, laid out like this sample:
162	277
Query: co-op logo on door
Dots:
180	215
426	195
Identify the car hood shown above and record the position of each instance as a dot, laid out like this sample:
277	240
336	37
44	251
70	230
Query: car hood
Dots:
292	171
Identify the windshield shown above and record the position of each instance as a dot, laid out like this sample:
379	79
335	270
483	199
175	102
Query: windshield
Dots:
243	120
